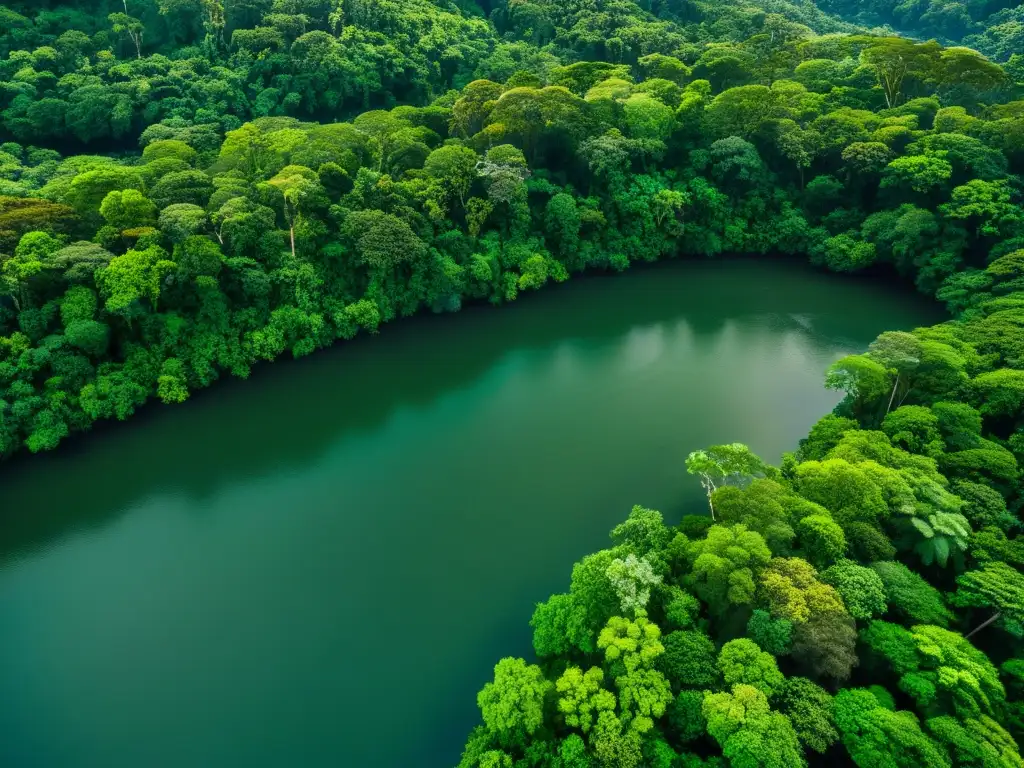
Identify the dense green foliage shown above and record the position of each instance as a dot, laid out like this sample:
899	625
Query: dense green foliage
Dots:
910	659
228	242
861	603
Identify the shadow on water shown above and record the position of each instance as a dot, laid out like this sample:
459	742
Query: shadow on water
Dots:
287	414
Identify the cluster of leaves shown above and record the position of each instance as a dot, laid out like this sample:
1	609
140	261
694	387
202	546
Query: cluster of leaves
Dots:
863	601
811	622
100	72
103	71
996	29
150	275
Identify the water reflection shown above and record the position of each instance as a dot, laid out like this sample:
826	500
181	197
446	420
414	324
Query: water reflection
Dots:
256	577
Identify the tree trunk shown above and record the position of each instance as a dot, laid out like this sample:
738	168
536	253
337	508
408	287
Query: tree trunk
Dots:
291	231
983	625
709	488
893	395
905	395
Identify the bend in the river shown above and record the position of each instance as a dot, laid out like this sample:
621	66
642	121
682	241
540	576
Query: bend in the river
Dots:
256	577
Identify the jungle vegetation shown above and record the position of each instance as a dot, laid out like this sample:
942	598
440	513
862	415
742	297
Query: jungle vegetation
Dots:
190	187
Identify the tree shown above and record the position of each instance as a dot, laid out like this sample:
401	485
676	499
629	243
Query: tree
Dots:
135	277
630	650
1001	392
644	695
844	253
742	111
592	601
128	209
632	580
959	423
921	173
867	157
809	708
725	565
182	187
940	670
551	625
644	531
914	428
948	675
90	336
132	28
686	716
299	186
875	735
864	381
659	66
172	384
573	752
938	537
790	587
562	220
962	65
182	220
1004	272
240	224
861	588
87	190
473	105
772	635
765	507
382	240
894	59
825	645
984	507
998	588
581	699
734	463
822	538
824	436
742	662
512	705
976	741
689	660
736	166
169	148
910	596
454	168
21	215
750	733
608	156
846	490
648	118
78	262
681	608
110	395
901	354
382	128
986	205
615	743
629	645
798	145
198	256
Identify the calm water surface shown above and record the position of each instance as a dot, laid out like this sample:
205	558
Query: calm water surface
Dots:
320	566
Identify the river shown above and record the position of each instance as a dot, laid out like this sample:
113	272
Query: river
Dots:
321	565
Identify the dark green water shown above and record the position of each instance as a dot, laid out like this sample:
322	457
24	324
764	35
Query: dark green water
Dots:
320	566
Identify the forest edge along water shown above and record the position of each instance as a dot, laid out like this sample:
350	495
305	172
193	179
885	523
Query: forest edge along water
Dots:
371	526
